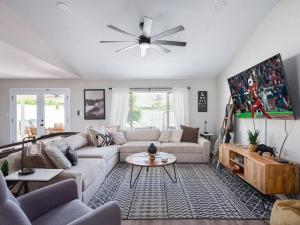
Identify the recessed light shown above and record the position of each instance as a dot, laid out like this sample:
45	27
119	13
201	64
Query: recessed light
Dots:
220	5
63	6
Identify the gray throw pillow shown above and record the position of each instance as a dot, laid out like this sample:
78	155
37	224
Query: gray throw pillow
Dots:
72	156
56	153
118	138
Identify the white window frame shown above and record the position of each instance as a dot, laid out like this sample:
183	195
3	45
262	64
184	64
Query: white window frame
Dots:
40	92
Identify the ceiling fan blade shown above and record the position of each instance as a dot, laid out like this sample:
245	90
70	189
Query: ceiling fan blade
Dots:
168	32
127	48
160	48
143	52
118	41
173	43
122	31
147	26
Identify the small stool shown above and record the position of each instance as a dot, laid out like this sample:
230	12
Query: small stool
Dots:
285	212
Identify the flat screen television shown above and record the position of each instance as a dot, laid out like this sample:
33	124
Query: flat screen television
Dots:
261	91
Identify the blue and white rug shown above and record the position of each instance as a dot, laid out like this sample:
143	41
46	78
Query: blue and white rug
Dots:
201	192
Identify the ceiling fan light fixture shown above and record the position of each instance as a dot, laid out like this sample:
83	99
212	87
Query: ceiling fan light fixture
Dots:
145	45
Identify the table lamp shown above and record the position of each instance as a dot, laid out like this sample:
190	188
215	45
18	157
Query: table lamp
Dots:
31	150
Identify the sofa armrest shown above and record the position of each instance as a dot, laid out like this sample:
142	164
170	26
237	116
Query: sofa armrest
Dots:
108	214
38	202
204	142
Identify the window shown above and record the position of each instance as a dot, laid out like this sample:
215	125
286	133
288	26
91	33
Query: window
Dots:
151	109
36	112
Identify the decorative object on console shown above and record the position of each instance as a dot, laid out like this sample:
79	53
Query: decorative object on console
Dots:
189	134
264	148
253	140
152	150
94	104
33	149
202	101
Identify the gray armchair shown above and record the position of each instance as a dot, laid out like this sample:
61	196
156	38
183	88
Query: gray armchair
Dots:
57	204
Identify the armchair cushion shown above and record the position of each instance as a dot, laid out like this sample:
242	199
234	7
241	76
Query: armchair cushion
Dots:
63	214
39	202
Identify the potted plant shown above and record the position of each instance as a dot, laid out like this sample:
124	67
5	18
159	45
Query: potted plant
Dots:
253	140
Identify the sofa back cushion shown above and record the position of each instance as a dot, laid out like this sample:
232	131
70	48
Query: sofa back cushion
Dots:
142	135
77	141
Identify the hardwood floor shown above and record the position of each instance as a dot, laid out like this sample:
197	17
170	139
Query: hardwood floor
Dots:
194	222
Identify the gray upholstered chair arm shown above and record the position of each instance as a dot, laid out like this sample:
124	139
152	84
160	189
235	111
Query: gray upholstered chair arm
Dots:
38	202
108	214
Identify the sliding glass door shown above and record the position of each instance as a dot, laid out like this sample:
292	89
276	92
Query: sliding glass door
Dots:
36	112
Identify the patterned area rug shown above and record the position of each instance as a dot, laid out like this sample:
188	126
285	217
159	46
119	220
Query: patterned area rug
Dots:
201	192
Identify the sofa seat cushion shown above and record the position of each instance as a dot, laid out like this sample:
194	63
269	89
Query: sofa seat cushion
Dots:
63	214
88	169
138	146
105	153
181	147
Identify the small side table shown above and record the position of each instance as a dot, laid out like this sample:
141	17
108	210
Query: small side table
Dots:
207	135
40	175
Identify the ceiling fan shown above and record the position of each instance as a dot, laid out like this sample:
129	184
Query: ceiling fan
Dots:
145	41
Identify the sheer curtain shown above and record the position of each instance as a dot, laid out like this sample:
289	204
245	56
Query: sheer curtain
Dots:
181	106
119	107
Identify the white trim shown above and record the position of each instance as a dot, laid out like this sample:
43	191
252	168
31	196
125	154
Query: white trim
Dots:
40	102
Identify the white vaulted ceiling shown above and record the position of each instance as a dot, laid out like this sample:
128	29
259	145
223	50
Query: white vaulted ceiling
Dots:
69	40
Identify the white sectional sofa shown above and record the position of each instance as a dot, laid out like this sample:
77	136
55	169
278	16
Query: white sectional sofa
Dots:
95	163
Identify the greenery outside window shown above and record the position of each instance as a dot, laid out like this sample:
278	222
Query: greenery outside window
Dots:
151	109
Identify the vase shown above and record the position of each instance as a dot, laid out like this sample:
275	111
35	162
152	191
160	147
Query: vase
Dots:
252	148
152	150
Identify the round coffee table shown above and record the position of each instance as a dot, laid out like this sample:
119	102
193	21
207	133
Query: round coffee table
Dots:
142	160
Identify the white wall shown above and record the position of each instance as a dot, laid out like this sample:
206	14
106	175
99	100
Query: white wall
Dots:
77	86
278	33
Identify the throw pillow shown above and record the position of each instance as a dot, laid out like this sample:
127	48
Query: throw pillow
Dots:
189	134
104	139
92	134
56	154
175	136
164	136
118	138
72	156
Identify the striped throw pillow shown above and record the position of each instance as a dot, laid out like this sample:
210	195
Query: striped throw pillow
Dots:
104	139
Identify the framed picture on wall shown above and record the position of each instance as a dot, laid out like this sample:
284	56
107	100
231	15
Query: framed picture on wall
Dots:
202	101
94	104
